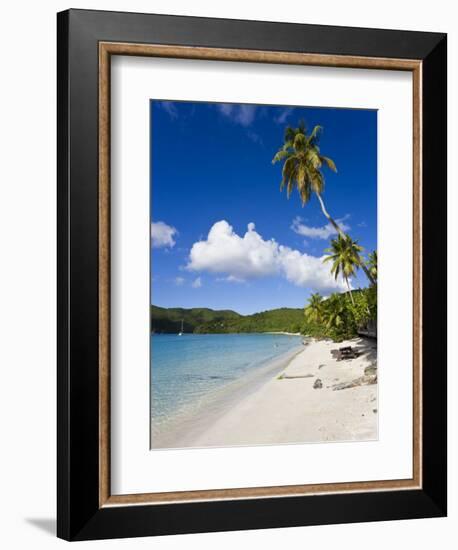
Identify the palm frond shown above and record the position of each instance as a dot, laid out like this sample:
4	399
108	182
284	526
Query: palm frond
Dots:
329	163
314	158
288	174
300	176
317	182
304	193
314	135
305	172
344	253
280	155
290	186
290	134
300	142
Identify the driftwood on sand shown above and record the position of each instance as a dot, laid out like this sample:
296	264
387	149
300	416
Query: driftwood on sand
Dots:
365	380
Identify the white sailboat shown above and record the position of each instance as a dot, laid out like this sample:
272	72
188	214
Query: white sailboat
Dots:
181	331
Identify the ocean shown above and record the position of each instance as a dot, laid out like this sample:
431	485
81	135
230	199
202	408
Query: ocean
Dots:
195	371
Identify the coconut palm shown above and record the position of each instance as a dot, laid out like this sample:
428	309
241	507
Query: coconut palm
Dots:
372	264
314	309
334	311
344	254
302	168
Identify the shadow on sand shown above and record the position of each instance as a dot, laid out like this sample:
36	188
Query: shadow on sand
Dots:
367	347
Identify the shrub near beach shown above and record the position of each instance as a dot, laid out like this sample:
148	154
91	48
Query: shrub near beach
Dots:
338	318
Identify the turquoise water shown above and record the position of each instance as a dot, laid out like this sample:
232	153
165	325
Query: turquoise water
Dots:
188	370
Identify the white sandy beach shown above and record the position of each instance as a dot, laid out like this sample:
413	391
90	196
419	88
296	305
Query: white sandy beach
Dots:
287	408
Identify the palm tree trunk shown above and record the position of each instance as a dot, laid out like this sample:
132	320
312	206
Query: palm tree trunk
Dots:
331	220
349	291
368	273
342	234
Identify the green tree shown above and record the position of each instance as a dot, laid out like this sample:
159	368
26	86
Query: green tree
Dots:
364	308
372	265
314	309
302	169
334	312
302	164
344	254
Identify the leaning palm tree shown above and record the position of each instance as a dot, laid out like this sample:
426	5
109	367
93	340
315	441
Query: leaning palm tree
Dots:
314	309
372	264
344	254
302	168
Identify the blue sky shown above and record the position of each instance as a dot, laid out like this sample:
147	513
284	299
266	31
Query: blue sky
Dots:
222	234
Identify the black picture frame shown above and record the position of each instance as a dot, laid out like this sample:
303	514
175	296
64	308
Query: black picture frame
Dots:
79	514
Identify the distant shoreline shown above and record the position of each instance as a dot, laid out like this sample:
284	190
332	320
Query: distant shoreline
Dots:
282	332
279	333
211	321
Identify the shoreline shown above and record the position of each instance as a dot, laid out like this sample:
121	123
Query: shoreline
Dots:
283	332
189	422
233	333
282	405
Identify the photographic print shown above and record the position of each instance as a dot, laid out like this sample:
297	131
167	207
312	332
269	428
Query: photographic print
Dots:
221	203
263	274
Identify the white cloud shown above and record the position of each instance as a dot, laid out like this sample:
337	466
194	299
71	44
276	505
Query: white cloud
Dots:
197	283
284	114
179	281
226	108
233	279
307	271
162	235
240	114
255	138
230	279
170	108
241	257
323	232
238	258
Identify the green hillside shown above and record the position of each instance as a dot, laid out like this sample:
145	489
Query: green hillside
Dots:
204	320
169	319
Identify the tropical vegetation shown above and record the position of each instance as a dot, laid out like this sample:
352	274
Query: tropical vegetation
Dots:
338	316
372	264
302	169
302	163
344	254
